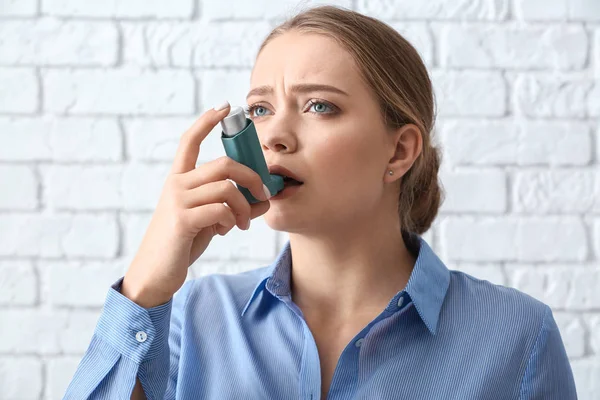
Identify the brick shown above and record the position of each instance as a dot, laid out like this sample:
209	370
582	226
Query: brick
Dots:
584	10
162	44
79	284
20	90
594	100
427	236
154	139
19	187
156	44
58	235
221	85
545	95
469	93
120	8
53	42
527	143
18	8
59	373
472	142
540	10
142	185
596	52
419	35
597	140
469	239
487	10
557	191
47	332
557	10
261	9
593	325
100	187
21	377
586	372
572	332
135	226
492	273
552	239
157	139
565	287
554	143
482	191
83	187
433	235
562	47
51	138
596	238
514	239
124	91
18	283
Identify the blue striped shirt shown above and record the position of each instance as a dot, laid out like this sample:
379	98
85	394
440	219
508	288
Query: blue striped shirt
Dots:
446	335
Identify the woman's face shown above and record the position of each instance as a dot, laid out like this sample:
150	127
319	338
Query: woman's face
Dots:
333	140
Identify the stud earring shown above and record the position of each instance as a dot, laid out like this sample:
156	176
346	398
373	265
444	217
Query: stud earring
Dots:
391	172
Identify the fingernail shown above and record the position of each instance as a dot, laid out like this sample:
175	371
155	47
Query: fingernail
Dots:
248	226
267	192
222	106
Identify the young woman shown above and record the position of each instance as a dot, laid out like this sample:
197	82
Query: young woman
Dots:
356	305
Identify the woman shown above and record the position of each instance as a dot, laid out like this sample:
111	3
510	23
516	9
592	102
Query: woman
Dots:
344	104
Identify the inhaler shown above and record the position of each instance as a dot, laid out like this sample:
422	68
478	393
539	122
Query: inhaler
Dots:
241	144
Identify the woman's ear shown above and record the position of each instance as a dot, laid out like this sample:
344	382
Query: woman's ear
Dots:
406	144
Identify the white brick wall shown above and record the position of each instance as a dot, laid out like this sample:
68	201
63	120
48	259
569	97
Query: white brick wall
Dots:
94	96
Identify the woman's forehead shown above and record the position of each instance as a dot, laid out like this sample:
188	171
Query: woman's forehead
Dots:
304	57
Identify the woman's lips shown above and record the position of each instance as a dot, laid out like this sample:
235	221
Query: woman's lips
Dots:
287	191
283	172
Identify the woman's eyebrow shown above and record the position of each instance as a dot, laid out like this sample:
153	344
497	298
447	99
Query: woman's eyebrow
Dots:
300	88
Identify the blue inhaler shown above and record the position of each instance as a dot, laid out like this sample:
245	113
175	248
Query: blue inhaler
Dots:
241	143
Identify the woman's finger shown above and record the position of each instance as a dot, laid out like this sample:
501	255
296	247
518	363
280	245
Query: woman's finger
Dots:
189	144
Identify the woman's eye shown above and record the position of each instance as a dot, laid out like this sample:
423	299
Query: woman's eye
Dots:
255	107
319	107
259	109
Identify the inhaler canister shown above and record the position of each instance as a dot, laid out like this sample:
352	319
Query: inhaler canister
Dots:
241	144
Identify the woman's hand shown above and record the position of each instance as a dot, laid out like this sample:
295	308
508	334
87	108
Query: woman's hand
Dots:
189	213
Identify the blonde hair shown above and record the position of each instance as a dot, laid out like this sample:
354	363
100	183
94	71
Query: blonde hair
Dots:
392	67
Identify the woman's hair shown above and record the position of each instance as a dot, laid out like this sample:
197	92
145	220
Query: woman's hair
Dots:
393	69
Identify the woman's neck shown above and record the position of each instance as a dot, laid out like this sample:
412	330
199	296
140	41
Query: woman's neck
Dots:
349	272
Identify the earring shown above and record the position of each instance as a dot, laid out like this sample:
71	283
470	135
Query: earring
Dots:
391	172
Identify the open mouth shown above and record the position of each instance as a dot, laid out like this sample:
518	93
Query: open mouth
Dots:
287	181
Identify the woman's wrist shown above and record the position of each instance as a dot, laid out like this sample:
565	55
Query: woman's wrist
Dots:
143	295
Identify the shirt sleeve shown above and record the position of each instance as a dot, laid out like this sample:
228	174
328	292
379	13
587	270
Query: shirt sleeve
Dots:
131	341
548	374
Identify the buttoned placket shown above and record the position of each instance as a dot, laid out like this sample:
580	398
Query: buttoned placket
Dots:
310	377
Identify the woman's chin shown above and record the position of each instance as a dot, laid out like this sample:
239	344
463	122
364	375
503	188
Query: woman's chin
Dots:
283	221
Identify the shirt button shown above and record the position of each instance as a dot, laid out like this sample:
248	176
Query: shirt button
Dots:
359	342
141	336
400	301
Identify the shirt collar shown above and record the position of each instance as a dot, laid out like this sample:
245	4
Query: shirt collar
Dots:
427	285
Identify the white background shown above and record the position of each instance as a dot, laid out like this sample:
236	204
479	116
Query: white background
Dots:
95	95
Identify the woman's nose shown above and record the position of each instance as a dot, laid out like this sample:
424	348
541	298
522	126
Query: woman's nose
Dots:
278	137
279	143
